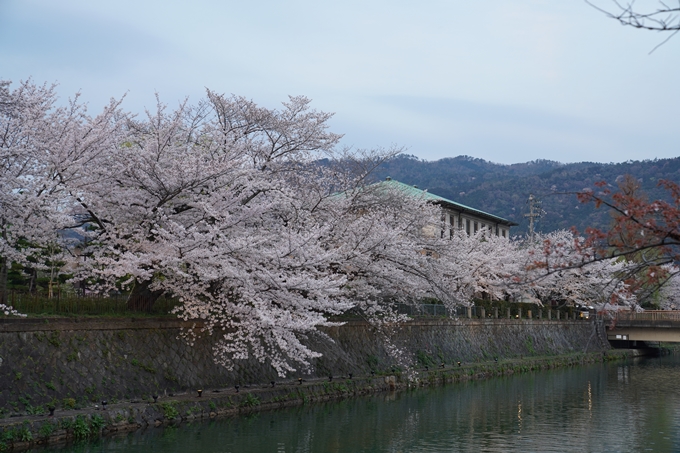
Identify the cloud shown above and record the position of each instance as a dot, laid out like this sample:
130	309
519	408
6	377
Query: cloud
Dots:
504	81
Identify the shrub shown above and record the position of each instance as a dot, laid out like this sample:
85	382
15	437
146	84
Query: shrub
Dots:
170	410
24	434
68	403
46	430
97	422
80	428
250	401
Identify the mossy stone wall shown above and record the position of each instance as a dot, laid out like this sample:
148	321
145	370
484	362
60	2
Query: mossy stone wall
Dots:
75	362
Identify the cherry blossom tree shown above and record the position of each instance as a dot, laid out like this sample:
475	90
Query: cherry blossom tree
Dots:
22	112
224	206
668	297
644	233
560	268
643	240
43	149
480	265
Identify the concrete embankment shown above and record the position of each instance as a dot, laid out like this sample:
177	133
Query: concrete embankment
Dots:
73	364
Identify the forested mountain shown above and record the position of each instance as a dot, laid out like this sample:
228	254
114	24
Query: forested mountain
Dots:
504	189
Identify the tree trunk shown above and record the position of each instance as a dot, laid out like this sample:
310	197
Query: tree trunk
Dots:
32	281
4	268
142	298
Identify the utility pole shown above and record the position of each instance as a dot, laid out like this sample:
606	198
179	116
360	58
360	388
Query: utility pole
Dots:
534	213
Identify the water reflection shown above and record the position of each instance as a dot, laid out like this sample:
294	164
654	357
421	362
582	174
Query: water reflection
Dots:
600	408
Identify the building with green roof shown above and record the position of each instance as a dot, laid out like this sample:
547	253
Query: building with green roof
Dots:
457	216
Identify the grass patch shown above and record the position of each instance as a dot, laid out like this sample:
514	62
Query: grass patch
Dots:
250	401
170	410
424	359
142	365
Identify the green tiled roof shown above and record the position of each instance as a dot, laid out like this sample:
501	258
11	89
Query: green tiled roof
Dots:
416	192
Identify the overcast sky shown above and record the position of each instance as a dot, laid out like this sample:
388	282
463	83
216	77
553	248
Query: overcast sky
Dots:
506	81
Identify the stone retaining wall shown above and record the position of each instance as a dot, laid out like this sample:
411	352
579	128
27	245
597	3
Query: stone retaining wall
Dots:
75	362
23	433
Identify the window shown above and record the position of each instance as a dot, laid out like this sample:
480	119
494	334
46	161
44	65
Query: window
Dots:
476	227
467	226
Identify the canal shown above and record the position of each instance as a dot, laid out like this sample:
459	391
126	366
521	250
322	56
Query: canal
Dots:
612	407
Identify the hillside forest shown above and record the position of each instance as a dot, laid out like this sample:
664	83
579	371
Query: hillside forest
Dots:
504	190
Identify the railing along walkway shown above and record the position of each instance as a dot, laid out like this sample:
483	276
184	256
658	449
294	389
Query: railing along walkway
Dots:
649	318
476	312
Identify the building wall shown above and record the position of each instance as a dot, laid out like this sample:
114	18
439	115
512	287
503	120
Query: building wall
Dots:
456	220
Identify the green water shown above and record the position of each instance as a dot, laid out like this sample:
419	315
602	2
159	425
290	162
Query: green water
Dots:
627	407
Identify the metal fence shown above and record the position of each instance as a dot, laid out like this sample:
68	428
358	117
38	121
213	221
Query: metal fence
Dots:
433	310
91	304
514	312
440	310
116	305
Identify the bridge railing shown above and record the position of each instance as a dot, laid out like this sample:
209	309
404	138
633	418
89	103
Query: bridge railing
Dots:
649	315
648	318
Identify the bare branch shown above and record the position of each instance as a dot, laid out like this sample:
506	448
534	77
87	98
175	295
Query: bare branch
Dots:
663	18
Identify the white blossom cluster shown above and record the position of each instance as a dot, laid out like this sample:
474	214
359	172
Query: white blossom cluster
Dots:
562	277
7	310
668	297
